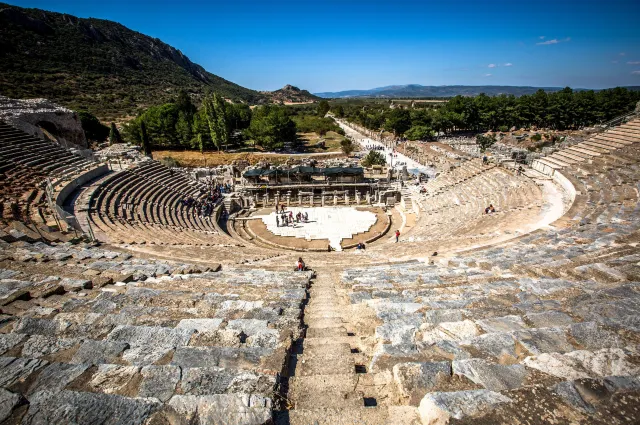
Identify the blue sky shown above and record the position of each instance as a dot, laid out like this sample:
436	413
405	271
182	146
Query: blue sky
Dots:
356	44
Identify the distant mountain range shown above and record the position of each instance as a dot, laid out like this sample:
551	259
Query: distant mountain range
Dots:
416	91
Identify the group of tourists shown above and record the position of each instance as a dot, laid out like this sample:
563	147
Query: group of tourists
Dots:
284	219
490	209
202	207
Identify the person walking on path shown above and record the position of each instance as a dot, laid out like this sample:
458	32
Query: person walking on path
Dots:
277	222
397	235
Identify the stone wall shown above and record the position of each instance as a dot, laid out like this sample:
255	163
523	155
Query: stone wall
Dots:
33	115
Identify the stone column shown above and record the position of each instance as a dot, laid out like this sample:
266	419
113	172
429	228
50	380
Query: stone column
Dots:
311	200
335	197
257	199
266	198
277	197
357	197
322	199
346	197
367	197
288	198
299	198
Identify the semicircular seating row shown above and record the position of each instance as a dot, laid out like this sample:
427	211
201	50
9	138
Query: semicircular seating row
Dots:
453	207
143	204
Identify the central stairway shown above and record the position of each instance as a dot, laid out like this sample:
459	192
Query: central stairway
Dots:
328	386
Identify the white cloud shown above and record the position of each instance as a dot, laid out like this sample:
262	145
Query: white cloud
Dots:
635	72
489	75
633	63
492	65
553	41
541	37
508	64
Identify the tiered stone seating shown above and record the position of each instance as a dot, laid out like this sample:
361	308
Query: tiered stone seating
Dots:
25	164
143	205
453	208
94	336
601	144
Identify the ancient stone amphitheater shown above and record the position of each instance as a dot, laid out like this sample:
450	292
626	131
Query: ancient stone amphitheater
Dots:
530	315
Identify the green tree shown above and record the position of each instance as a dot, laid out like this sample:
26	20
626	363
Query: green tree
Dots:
146	145
271	127
114	135
485	142
419	132
323	108
373	158
398	121
347	146
93	129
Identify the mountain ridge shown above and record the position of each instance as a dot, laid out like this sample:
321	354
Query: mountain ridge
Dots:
417	91
101	65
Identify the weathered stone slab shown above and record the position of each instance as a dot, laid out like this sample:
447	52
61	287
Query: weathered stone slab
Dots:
502	324
216	380
113	379
493	344
8	341
549	319
494	377
145	355
590	336
200	325
159	381
8	402
544	340
228	409
99	352
557	364
40	345
85	408
150	335
571	396
11	290
14	369
438	408
544	286
435	317
414	380
606	362
218	356
451	331
56	376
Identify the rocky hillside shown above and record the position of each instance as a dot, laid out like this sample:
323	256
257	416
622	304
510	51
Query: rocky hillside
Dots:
97	64
291	94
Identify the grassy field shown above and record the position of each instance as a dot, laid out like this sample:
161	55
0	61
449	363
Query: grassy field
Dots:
331	140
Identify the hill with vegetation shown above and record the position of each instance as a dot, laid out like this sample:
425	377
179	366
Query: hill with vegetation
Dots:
98	65
419	91
291	94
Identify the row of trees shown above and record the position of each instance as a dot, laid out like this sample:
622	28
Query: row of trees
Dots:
562	110
214	125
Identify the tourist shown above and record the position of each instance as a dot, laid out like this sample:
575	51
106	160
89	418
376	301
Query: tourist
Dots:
291	216
329	249
277	222
397	235
485	160
300	265
490	209
520	170
306	217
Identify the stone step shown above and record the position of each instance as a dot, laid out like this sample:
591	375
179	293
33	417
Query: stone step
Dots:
330	359
325	391
391	415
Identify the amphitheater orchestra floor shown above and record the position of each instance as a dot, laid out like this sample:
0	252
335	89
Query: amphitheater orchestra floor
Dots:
333	223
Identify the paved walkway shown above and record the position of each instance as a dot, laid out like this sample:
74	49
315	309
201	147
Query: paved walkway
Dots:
365	142
330	223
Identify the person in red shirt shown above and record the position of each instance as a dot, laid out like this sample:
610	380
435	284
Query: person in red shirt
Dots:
397	235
